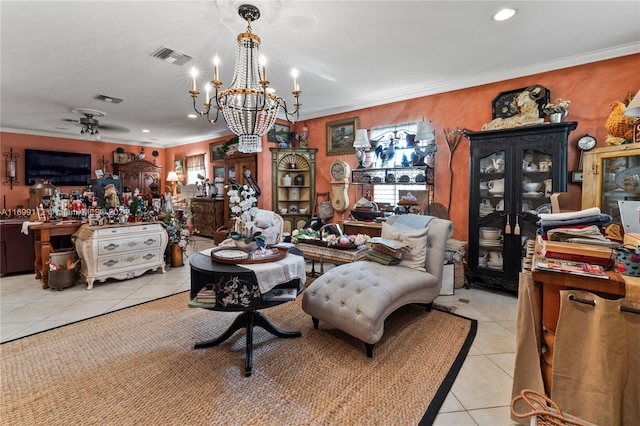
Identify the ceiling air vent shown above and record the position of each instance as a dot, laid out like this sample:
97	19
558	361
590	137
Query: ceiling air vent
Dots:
109	99
167	54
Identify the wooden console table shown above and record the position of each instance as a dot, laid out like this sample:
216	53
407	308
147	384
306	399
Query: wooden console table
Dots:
372	229
42	233
553	282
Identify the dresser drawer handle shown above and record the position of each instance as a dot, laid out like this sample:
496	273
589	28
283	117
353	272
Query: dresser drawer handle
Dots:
150	241
149	256
112	246
110	262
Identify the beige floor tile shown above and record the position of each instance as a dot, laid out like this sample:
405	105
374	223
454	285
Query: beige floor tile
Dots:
497	416
459	418
505	361
481	384
492	338
451	404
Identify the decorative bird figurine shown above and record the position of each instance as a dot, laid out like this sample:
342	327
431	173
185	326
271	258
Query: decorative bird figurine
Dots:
385	154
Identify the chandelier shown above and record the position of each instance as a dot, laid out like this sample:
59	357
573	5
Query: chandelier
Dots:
249	106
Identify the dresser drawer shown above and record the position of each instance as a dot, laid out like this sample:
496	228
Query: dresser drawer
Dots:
120	230
131	243
127	260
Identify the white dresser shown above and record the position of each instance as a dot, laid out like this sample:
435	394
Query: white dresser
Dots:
120	251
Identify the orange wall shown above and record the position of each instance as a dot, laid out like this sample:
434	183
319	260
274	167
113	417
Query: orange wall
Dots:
19	195
591	89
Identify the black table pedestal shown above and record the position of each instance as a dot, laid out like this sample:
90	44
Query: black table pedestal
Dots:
248	320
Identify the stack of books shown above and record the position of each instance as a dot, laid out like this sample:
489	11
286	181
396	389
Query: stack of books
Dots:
385	251
280	295
591	253
206	295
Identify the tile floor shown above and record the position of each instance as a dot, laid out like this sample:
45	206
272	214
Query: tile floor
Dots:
480	395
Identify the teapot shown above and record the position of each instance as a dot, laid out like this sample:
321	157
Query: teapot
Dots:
299	180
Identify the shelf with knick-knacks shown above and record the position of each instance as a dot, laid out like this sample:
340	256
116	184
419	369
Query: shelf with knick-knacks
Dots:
293	185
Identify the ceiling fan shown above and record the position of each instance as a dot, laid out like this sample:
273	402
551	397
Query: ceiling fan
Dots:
91	127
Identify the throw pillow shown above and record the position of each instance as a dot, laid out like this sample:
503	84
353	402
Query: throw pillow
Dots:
264	219
416	239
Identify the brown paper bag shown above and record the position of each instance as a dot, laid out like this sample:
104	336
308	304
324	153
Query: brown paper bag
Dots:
596	365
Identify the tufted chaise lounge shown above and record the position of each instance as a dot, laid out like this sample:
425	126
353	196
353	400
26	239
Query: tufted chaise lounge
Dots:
357	297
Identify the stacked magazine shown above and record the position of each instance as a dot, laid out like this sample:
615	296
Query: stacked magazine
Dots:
570	267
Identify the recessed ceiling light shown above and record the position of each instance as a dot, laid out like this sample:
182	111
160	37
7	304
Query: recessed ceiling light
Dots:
146	130
504	14
192	116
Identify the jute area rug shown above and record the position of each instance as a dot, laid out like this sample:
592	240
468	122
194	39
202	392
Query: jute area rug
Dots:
137	366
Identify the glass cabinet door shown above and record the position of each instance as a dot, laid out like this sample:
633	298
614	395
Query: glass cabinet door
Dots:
491	211
621	182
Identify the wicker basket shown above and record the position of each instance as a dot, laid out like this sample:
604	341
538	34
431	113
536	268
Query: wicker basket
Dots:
459	269
544	411
220	234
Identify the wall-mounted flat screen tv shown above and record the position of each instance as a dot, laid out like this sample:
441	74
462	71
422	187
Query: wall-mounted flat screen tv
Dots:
59	168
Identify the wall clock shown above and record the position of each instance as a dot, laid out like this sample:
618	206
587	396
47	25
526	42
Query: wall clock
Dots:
585	143
340	185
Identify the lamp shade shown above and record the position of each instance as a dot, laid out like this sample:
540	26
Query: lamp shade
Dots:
424	131
172	177
361	140
633	109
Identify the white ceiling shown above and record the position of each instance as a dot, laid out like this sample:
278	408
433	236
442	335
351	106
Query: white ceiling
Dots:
59	55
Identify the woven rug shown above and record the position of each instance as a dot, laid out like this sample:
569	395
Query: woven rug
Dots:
137	366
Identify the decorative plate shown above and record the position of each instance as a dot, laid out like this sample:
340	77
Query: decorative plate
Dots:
234	256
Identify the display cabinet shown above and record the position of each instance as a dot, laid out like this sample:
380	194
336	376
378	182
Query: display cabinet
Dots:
207	215
235	166
294	185
512	173
609	175
140	174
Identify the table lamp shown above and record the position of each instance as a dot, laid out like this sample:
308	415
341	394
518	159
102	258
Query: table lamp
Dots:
361	144
172	178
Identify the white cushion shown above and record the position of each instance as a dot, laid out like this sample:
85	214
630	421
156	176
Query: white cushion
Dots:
264	219
416	239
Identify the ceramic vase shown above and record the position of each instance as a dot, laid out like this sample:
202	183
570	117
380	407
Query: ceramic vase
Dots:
557	117
250	247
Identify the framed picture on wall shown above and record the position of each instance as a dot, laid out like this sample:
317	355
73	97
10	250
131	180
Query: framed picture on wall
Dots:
278	133
340	136
177	165
216	151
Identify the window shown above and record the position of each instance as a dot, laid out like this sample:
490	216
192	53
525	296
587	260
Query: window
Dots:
195	166
402	137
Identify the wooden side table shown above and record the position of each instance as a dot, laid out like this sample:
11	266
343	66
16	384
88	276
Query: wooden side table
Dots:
42	233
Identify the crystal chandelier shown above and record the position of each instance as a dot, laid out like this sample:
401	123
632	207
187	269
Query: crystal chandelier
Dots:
249	106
